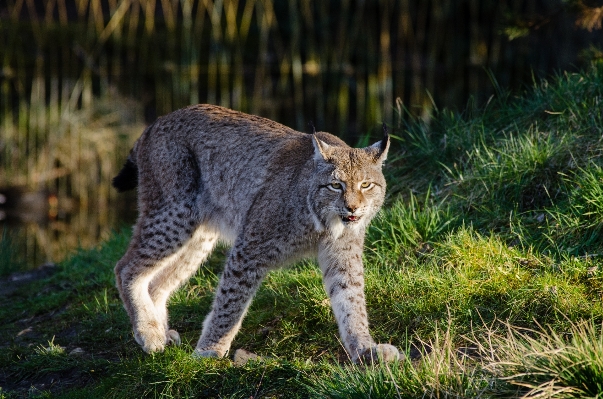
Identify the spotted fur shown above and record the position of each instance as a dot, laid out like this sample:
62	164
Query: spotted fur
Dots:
206	173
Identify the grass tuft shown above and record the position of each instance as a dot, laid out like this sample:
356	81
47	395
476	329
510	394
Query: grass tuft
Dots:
440	372
543	363
409	225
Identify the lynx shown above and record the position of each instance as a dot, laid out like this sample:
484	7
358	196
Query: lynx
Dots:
207	173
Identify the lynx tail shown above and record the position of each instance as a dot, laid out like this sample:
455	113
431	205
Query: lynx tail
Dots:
127	178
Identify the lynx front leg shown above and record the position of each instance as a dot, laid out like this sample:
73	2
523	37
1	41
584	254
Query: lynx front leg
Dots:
343	278
242	276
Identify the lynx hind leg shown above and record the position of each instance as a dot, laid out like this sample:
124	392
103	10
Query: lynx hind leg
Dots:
173	275
158	244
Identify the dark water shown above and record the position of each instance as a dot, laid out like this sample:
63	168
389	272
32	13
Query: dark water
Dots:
45	229
80	79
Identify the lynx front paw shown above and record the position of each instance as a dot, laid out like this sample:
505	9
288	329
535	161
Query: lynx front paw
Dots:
383	353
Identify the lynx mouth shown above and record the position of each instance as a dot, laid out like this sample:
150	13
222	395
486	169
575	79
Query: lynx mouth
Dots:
350	219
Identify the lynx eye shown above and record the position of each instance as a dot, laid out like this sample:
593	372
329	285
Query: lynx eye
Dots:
336	186
366	184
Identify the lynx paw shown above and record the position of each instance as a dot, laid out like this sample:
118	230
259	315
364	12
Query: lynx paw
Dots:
382	353
152	338
173	338
153	344
149	344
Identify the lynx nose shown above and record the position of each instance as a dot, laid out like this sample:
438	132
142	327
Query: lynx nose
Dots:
351	208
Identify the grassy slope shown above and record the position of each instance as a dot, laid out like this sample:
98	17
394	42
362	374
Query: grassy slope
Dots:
485	267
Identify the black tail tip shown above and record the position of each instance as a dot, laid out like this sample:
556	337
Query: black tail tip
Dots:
127	178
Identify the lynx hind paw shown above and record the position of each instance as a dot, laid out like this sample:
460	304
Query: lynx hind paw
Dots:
173	338
200	354
150	343
157	342
153	345
381	353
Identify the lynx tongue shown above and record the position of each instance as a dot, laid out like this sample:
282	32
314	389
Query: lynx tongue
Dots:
351	218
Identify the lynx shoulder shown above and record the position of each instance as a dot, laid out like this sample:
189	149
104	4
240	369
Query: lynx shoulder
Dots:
207	173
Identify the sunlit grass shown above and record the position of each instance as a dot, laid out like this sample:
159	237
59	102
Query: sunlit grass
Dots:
410	225
543	363
442	371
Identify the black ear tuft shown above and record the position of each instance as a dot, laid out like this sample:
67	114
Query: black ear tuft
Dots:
385	139
311	124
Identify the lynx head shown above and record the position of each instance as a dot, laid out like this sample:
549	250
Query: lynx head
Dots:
348	186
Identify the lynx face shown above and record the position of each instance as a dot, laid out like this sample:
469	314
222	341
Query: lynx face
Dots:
350	185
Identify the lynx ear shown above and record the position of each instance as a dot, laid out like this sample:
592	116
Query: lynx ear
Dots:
380	148
321	149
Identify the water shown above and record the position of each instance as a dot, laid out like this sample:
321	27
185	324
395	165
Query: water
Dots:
45	229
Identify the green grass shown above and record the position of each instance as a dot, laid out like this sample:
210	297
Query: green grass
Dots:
544	363
485	268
